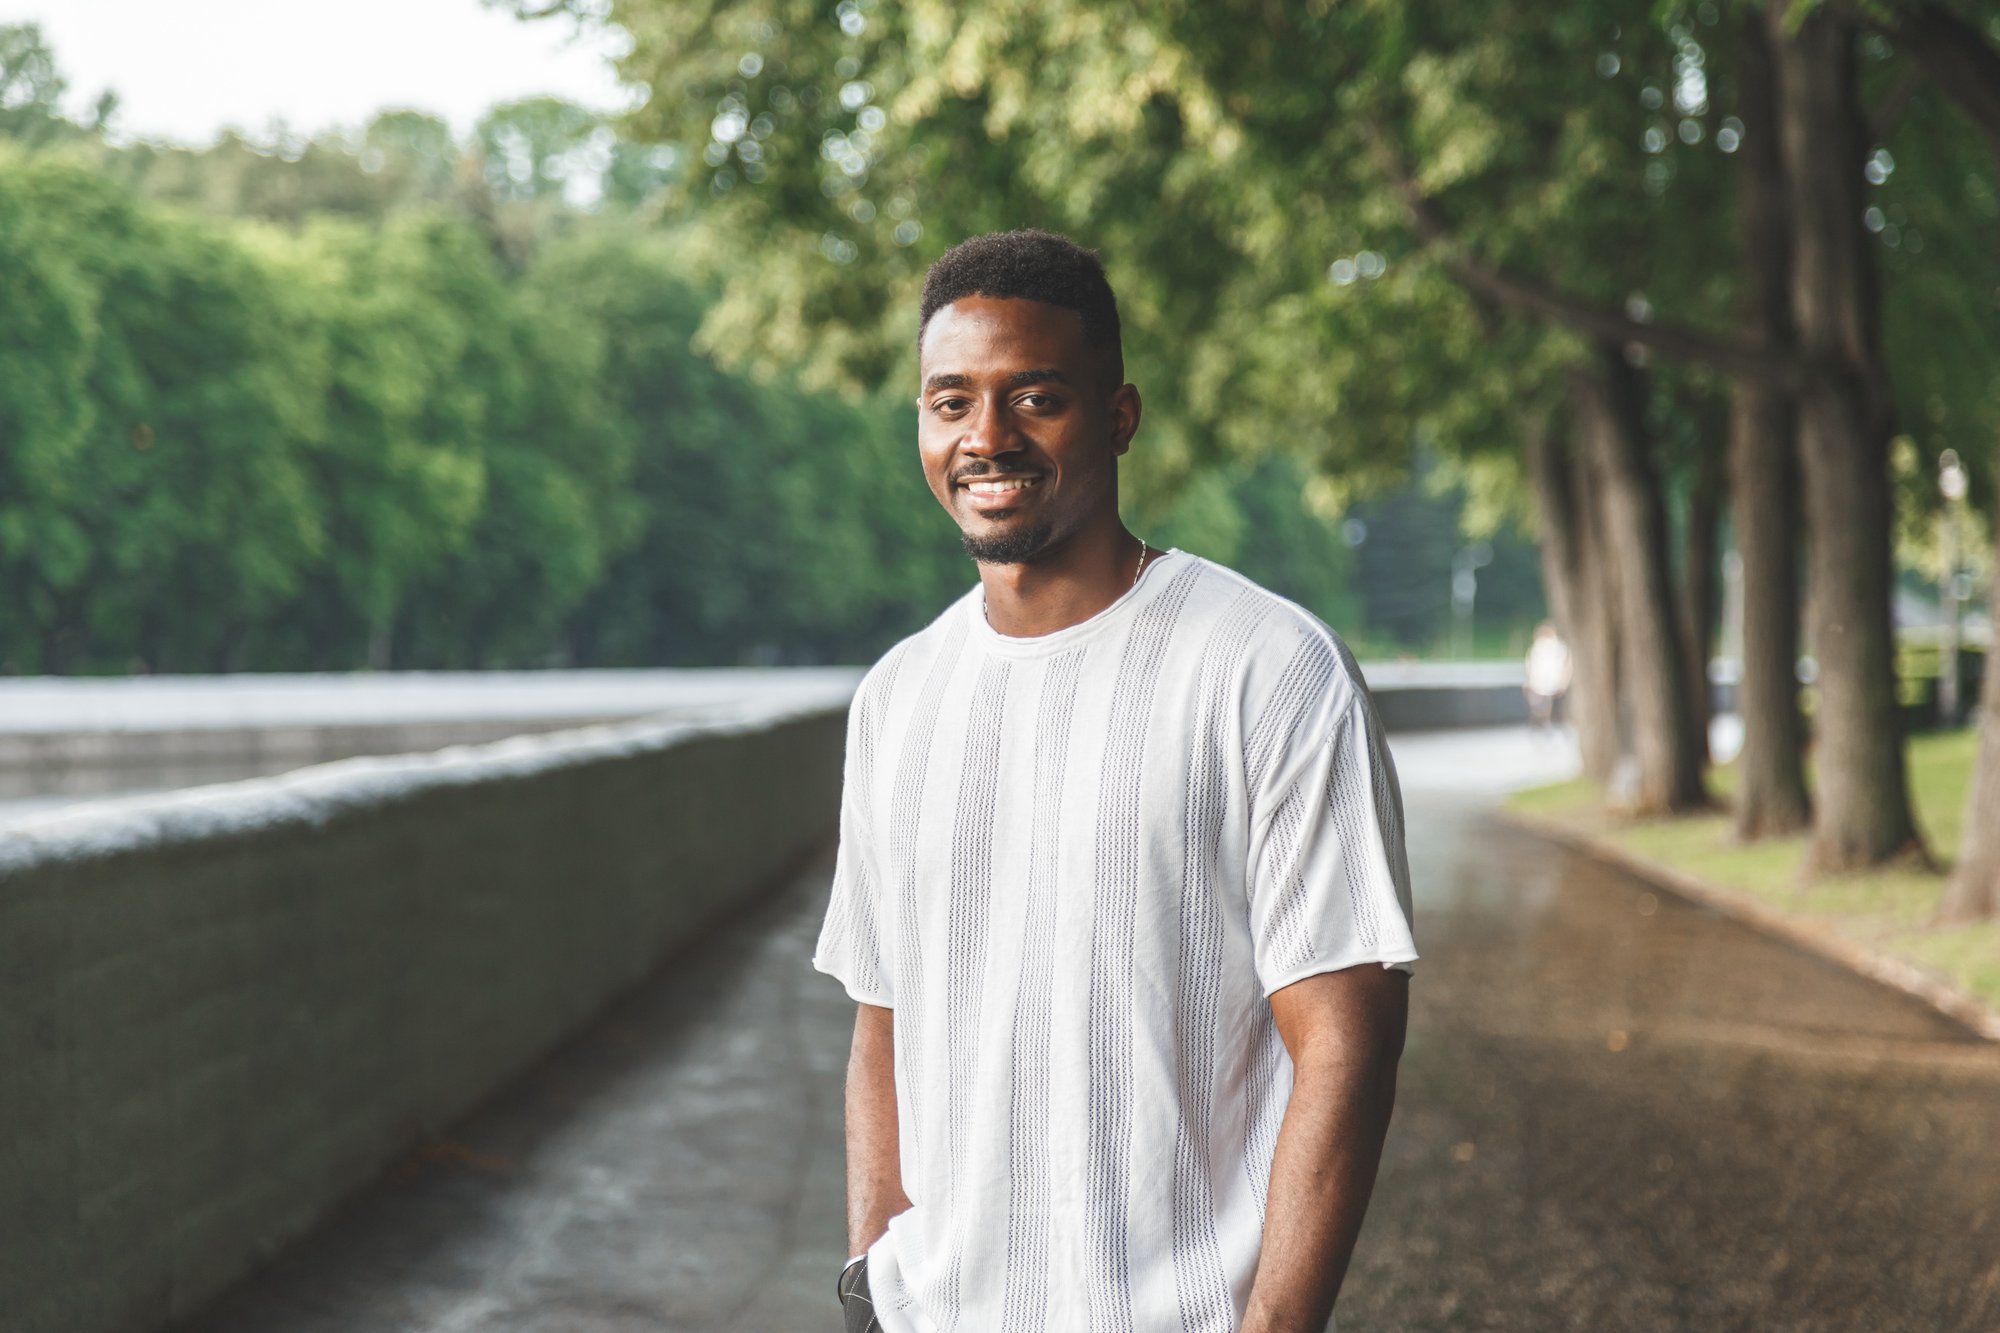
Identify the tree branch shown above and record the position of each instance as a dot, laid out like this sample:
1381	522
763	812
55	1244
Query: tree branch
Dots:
1889	108
1956	54
1729	356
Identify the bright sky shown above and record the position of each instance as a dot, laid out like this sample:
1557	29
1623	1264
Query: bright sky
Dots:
184	71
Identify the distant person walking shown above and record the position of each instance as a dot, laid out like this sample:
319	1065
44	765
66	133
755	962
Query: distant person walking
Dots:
1121	889
1548	675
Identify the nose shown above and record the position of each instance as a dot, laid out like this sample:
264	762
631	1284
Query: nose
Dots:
989	431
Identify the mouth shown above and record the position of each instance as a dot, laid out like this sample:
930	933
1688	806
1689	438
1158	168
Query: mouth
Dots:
989	494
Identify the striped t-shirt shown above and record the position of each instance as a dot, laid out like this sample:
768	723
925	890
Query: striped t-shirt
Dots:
1075	866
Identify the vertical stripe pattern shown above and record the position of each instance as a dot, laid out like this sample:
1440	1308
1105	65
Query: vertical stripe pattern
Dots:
1288	934
1069	863
1200	1280
1026	1304
1262	1109
1348	803
864	930
1306	678
966	932
905	814
1107	1181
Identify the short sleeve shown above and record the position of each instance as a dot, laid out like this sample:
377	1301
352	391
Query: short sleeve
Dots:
1329	879
850	940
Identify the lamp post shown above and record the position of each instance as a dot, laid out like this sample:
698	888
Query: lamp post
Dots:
1464	589
1951	484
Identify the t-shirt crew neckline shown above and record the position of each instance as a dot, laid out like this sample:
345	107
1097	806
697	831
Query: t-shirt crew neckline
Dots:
1038	645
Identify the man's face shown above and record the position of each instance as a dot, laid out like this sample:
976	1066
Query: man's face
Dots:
1019	432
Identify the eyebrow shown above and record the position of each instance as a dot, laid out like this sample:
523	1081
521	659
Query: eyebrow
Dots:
1039	375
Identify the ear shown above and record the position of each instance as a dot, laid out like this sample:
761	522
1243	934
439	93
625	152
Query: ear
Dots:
1125	412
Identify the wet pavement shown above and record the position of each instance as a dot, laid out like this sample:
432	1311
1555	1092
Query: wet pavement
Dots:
1618	1111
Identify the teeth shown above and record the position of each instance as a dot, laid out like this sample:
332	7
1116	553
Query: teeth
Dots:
999	487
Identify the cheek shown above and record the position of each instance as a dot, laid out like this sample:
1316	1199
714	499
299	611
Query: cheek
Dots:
934	462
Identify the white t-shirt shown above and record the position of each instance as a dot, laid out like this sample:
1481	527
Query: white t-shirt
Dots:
1075	866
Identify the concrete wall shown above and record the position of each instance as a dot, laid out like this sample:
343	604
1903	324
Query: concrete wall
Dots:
88	762
1442	707
221	1011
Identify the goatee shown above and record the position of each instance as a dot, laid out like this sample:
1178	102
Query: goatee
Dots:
1020	546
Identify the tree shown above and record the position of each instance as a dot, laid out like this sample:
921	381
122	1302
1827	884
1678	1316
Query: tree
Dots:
1845	412
523	377
31	91
1959	51
46	344
398	453
1763	466
1176	137
541	147
183	480
776	524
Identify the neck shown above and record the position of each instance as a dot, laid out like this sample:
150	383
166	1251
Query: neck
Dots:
1067	586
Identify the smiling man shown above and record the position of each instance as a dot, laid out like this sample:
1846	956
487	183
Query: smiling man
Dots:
1121	890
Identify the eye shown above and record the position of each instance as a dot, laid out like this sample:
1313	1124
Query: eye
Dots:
1039	400
948	406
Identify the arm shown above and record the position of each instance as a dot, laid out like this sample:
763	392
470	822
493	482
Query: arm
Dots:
874	1169
1344	1031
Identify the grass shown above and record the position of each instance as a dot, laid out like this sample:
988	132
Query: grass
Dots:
1891	909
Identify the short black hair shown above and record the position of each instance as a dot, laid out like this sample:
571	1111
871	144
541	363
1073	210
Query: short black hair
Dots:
1035	266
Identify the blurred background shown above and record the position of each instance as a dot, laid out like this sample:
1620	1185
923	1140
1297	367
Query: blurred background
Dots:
318	385
571	343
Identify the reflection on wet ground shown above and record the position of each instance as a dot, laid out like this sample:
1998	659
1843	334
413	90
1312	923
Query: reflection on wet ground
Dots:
1618	1112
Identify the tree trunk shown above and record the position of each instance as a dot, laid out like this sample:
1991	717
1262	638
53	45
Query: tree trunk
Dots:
1974	891
1967	68
1571	571
1634	528
1862	814
1698	582
1764	473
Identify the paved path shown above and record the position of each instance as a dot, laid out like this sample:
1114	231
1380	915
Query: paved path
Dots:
1618	1112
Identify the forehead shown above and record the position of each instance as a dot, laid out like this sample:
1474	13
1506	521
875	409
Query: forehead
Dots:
1000	334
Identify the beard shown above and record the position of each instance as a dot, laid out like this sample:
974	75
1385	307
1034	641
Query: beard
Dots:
1019	546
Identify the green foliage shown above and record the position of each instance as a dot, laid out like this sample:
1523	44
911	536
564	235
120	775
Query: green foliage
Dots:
31	90
377	397
339	443
777	525
537	147
164	474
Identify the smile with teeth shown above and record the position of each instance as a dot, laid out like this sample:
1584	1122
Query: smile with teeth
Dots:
1000	486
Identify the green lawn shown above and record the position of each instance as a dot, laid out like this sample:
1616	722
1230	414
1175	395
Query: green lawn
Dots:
1890	909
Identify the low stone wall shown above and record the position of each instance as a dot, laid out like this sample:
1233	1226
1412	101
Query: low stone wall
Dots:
223	1010
1448	707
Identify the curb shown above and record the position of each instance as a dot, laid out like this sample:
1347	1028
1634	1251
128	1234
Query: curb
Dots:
1898	973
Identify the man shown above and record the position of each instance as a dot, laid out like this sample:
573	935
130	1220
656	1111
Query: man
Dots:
1547	675
1121	889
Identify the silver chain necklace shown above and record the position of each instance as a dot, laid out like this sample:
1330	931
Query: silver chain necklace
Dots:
1145	554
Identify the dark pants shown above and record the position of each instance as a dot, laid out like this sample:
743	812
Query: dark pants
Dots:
855	1300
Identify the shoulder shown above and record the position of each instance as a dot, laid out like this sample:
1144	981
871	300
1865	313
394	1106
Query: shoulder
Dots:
878	689
1294	680
1285	649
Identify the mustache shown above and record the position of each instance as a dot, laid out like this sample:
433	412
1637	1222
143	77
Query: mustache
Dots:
981	468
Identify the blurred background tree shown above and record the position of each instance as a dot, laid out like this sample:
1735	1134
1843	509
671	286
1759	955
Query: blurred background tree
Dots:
383	398
1403	286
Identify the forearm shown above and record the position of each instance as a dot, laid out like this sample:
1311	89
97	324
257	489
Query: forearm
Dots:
1322	1174
1344	1032
874	1168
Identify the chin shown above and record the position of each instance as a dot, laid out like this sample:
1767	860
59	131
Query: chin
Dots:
1012	544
